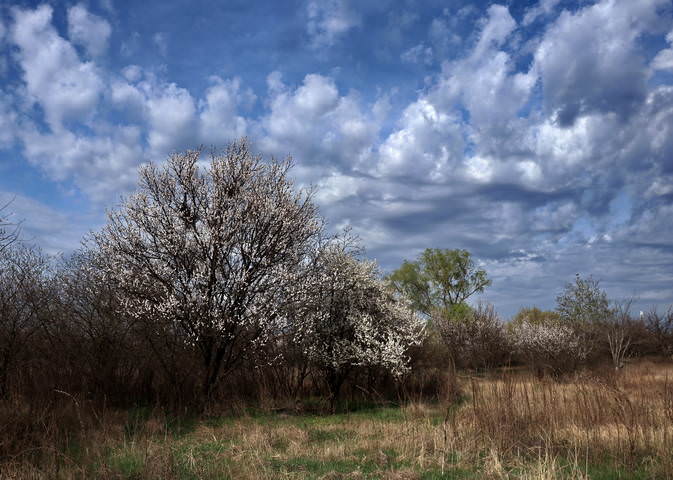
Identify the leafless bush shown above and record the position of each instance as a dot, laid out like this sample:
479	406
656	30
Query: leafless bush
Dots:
619	329
23	275
476	340
660	328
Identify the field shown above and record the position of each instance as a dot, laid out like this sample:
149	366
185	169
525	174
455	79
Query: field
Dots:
505	425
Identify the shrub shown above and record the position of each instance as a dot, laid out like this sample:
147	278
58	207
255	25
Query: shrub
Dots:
475	338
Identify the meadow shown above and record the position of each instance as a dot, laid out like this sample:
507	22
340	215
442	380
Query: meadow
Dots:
502	425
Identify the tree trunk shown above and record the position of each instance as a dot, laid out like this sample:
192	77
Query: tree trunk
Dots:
213	366
4	376
335	379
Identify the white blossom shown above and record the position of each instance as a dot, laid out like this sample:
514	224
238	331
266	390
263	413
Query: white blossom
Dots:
211	252
549	345
349	318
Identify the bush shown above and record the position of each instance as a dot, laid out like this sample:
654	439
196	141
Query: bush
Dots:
548	347
475	338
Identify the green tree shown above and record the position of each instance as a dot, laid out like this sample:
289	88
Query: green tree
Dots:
583	303
440	280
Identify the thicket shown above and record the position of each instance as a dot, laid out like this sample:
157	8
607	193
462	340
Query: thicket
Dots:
216	284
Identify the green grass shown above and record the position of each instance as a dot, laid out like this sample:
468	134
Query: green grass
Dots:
127	462
606	472
312	468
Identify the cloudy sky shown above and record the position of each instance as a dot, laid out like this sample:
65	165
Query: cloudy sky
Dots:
537	135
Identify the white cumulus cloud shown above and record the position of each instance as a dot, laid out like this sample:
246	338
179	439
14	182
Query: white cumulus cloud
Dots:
88	30
64	86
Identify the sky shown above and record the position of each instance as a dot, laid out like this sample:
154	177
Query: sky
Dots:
538	135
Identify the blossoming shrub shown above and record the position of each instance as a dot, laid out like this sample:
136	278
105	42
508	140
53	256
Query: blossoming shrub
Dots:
349	319
548	347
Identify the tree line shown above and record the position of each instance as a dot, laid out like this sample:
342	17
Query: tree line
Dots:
217	280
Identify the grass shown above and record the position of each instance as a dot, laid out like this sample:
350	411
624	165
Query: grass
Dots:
505	427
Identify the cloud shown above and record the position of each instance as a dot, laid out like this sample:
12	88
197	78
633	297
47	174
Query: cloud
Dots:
664	59
442	35
496	28
433	138
8	121
54	231
171	112
328	20
88	30
418	54
108	6
542	9
427	145
219	119
103	166
65	87
589	61
160	39
317	124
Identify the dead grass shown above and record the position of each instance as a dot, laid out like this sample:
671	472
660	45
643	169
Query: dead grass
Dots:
505	427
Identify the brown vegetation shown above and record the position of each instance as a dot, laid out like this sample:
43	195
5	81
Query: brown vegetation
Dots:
508	425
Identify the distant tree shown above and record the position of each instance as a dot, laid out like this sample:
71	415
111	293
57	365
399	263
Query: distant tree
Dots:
350	319
209	253
548	346
584	307
476	338
536	316
583	303
439	280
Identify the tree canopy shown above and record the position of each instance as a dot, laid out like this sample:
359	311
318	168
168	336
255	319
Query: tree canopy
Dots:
441	279
208	253
583	303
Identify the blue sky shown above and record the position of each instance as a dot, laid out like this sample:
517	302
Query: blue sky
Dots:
538	135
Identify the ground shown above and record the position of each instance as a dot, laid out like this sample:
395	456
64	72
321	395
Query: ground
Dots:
503	426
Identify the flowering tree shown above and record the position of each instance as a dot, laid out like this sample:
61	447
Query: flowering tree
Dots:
583	303
584	307
548	345
349	318
208	252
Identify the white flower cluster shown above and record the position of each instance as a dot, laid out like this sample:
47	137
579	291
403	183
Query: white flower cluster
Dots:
349	318
551	345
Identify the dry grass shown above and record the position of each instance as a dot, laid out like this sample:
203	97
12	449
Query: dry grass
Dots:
506	427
